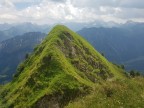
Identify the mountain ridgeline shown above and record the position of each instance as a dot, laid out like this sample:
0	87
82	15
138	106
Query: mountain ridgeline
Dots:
64	68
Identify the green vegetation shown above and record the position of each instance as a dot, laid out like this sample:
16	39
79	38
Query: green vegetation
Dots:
66	68
115	94
134	73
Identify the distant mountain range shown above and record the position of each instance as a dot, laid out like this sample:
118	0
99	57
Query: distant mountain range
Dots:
122	45
8	31
13	51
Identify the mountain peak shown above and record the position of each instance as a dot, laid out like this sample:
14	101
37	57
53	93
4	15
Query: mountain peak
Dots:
63	67
59	28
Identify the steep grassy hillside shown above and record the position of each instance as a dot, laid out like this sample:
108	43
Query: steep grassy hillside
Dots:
115	94
60	70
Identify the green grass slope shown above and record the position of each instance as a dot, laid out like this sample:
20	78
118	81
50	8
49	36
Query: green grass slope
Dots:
63	68
116	94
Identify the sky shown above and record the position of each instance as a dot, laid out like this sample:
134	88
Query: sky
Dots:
71	11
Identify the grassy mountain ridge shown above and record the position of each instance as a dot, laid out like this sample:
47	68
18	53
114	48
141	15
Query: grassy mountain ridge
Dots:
61	69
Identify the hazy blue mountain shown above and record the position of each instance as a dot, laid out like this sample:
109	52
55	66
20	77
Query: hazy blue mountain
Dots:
79	26
13	51
5	26
4	36
123	45
12	30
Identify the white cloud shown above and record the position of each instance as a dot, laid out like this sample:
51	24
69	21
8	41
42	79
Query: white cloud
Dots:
7	4
57	11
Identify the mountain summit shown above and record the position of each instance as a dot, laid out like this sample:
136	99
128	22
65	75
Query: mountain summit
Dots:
62	68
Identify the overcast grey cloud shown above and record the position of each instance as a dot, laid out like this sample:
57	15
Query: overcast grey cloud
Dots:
61	11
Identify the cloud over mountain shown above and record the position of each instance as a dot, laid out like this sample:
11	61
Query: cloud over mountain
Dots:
59	11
